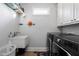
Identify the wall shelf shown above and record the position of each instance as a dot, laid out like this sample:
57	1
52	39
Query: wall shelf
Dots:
69	24
15	7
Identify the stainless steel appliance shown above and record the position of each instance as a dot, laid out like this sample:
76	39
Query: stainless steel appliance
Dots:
62	44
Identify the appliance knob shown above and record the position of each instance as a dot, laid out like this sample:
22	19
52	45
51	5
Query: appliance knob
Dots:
58	40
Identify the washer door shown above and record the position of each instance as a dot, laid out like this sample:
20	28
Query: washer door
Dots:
59	51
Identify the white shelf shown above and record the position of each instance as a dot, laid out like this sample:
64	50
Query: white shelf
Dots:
69	24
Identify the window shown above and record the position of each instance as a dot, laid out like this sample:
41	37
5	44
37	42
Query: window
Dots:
41	11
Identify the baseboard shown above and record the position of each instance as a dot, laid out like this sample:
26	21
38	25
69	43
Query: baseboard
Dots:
37	49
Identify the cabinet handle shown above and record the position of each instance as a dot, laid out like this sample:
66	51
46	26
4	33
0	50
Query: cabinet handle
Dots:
74	19
71	20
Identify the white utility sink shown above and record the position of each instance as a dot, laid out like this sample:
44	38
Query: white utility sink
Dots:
21	41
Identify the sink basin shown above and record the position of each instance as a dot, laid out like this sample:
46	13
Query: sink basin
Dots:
21	41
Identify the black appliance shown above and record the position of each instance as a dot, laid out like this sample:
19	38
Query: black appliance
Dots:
63	44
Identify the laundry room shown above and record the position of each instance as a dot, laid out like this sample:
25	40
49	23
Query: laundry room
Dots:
39	29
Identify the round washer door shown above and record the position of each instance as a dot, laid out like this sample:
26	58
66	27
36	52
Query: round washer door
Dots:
60	51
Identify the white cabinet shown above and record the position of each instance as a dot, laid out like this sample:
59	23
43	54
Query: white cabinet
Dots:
68	13
20	41
59	14
76	12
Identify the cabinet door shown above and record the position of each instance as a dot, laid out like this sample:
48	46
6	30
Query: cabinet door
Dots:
59	14
76	9
67	10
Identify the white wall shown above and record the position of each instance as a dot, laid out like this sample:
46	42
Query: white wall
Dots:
8	23
44	24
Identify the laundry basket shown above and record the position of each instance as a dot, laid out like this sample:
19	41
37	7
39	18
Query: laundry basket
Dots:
8	50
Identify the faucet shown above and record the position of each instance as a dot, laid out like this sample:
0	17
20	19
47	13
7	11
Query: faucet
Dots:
11	35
